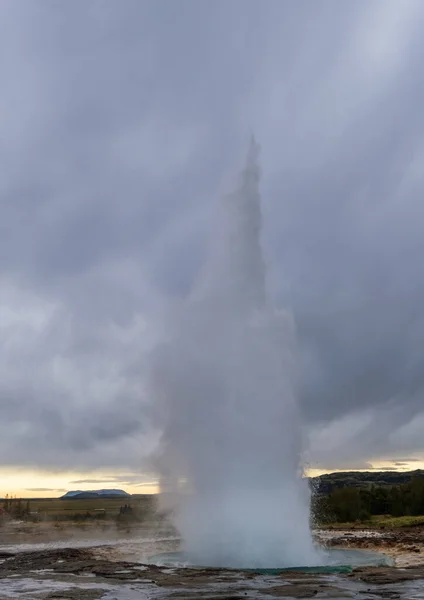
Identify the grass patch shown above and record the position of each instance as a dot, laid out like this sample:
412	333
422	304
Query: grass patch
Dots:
392	522
381	522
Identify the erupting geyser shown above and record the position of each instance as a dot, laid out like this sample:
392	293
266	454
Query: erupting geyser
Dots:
231	444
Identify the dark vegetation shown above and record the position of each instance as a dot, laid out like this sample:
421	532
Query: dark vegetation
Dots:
325	484
350	497
15	508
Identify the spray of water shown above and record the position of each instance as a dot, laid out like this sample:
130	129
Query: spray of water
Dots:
231	444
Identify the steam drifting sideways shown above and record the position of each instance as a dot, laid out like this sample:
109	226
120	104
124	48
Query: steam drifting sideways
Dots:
221	384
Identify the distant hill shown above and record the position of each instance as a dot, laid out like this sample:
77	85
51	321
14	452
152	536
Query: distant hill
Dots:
87	494
325	484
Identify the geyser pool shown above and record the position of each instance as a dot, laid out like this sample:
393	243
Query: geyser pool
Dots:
230	452
328	561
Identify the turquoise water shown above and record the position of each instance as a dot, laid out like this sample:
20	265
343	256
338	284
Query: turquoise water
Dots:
332	561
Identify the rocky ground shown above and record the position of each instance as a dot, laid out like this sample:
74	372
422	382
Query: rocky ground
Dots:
99	572
405	545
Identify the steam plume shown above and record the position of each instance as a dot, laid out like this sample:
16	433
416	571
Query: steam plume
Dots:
231	443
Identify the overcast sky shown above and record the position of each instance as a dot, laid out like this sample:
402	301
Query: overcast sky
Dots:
122	123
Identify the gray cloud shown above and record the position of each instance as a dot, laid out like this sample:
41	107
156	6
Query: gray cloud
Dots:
125	479
147	484
383	469
91	481
120	126
45	489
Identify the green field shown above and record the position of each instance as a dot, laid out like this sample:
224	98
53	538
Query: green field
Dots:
381	522
388	521
53	509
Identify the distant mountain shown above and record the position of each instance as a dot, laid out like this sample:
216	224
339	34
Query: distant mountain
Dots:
87	494
325	484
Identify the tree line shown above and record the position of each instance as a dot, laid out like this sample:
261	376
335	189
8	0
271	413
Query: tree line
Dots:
349	504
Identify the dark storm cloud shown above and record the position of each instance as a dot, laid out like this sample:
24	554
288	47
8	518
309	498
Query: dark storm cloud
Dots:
122	123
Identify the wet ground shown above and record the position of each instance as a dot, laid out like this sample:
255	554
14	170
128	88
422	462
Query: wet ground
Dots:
111	569
405	545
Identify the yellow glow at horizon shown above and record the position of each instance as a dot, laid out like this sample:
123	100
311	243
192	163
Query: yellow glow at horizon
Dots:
24	483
